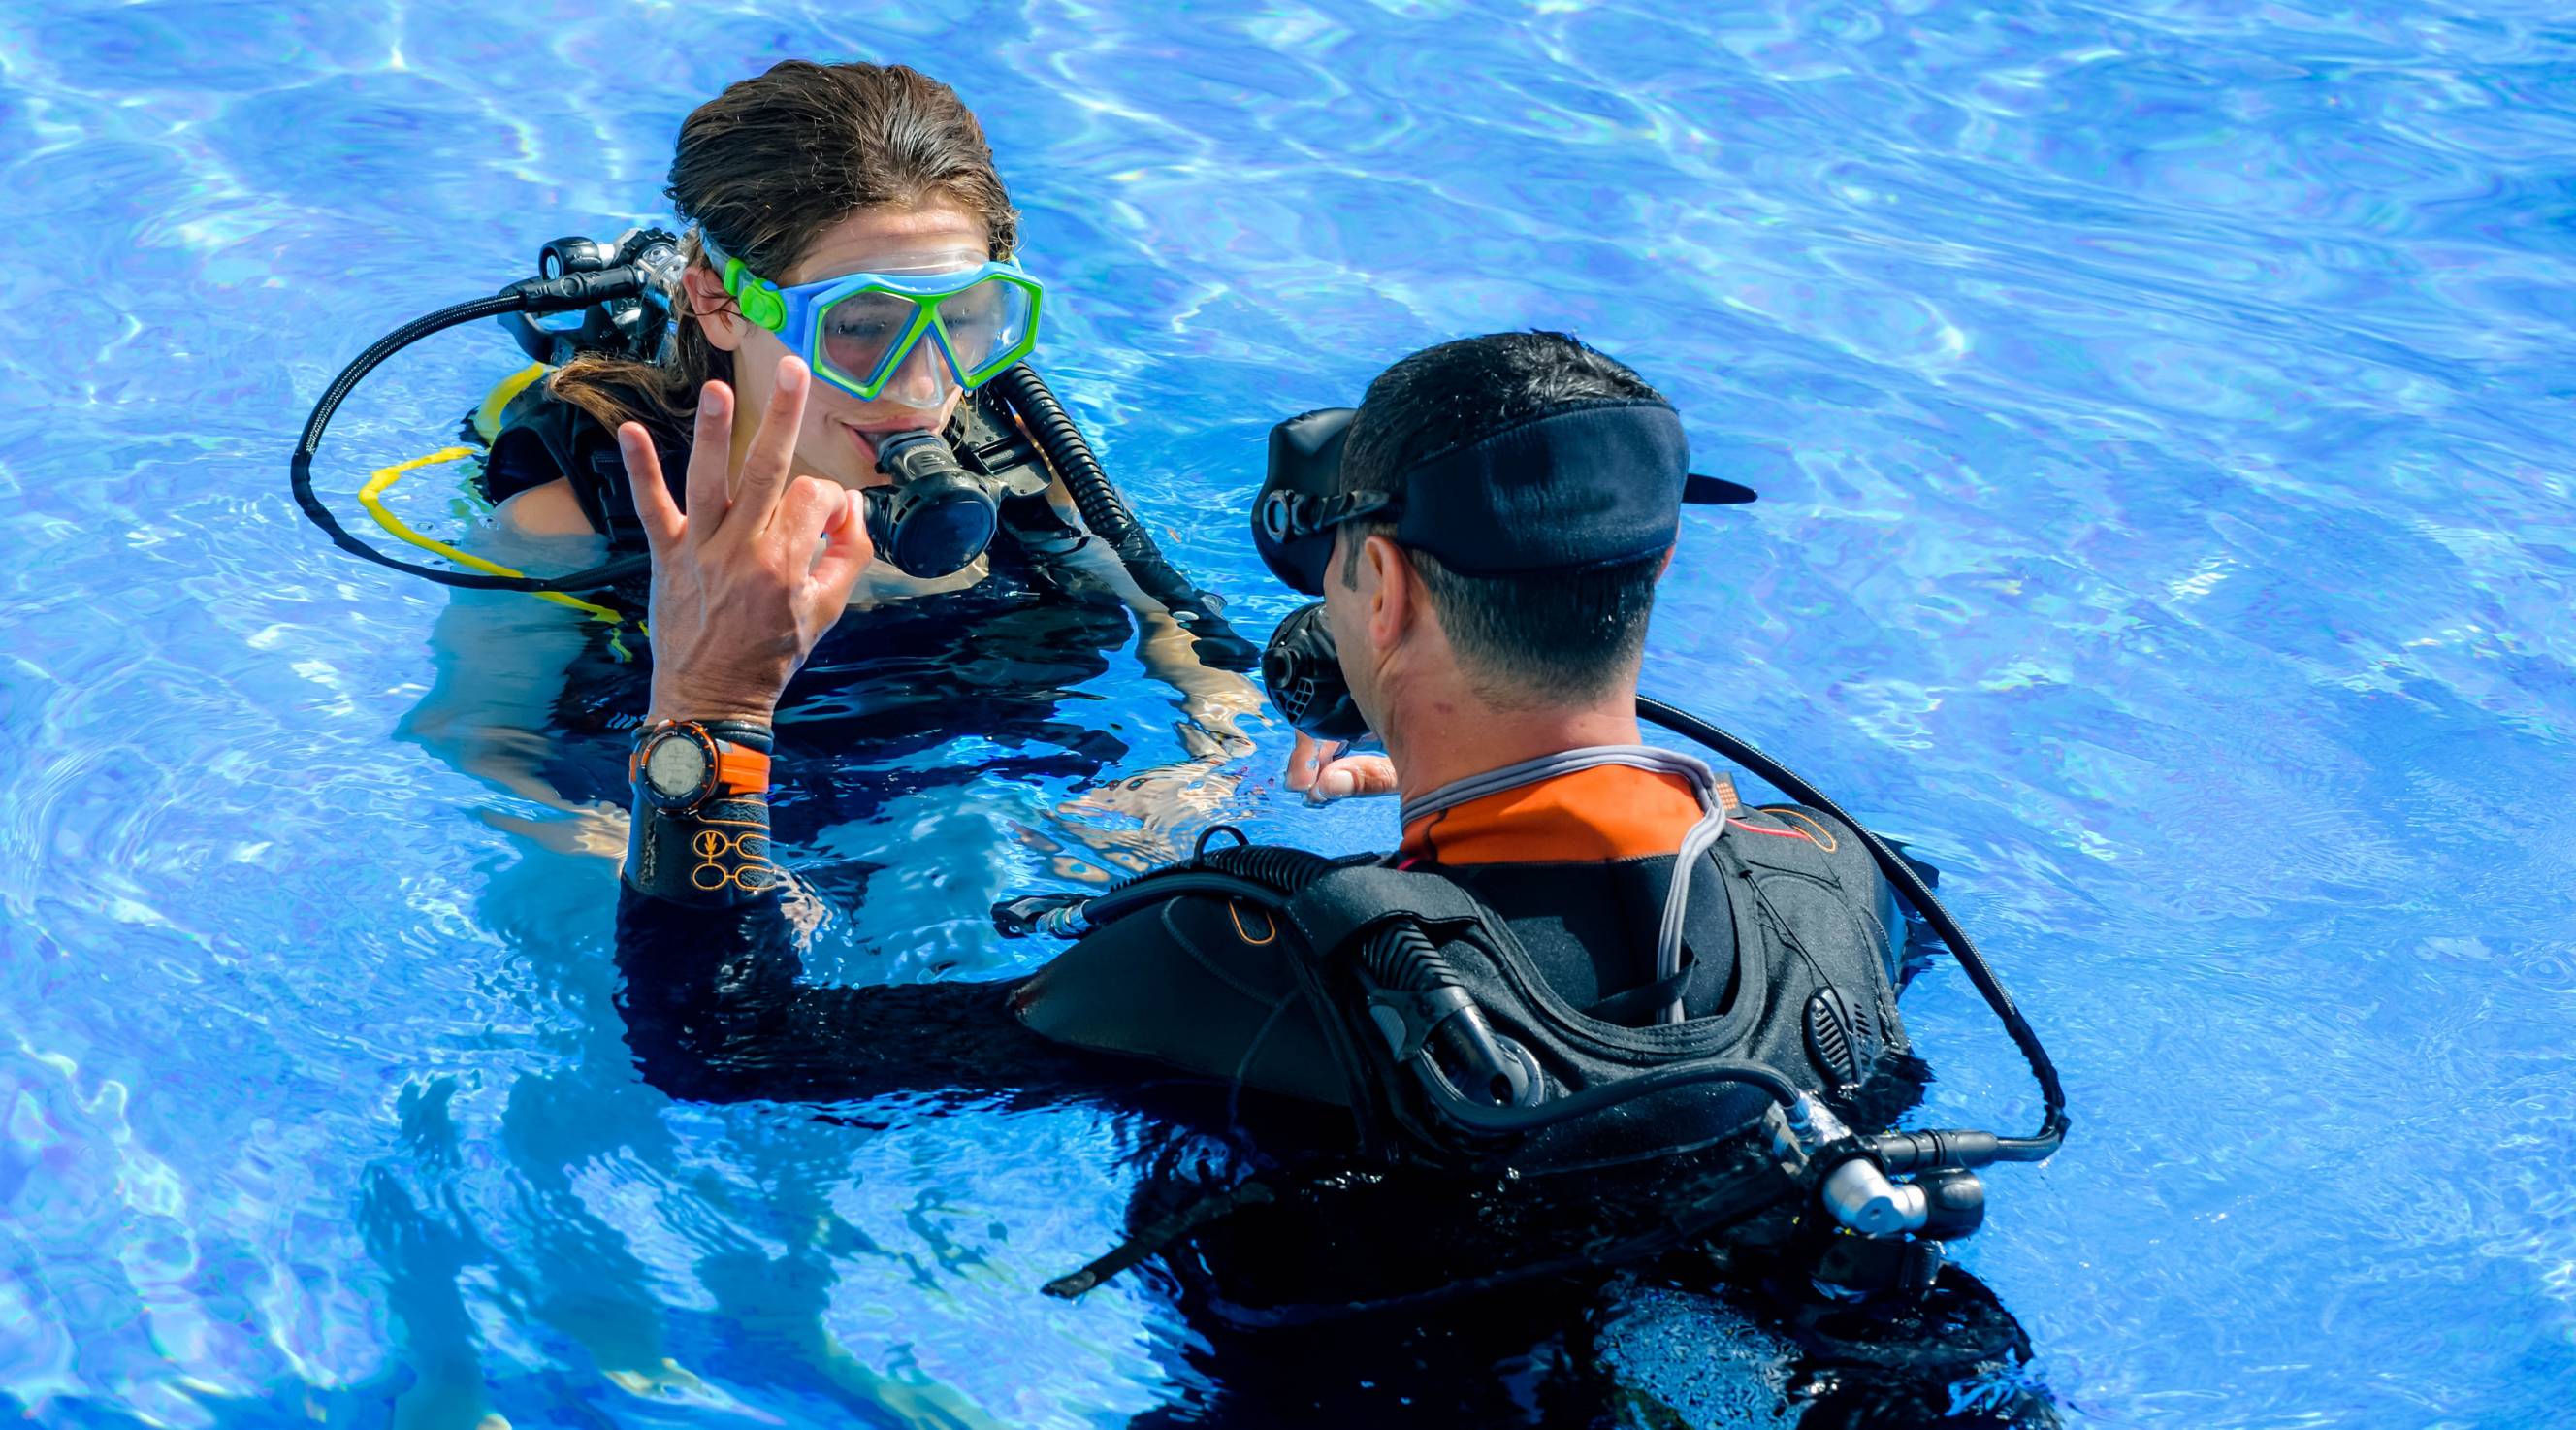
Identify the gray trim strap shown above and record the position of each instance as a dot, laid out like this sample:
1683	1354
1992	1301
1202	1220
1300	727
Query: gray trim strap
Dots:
1694	847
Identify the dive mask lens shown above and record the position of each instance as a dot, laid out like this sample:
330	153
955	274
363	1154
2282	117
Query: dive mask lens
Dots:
862	338
980	322
986	327
1301	671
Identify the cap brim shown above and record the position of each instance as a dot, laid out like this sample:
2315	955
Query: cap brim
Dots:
1714	491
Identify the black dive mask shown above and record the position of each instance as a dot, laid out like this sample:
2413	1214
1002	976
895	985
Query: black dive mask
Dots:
1301	671
1294	517
937	516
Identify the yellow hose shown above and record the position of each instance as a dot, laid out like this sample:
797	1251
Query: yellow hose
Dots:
371	496
487	418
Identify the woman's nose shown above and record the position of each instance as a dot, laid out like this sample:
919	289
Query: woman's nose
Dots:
921	379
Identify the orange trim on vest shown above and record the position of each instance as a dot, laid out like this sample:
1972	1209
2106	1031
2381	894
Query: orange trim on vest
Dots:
1590	816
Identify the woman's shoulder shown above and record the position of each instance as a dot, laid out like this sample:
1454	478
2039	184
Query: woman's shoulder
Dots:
555	462
547	509
531	442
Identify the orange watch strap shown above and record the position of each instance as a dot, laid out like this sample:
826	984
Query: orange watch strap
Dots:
740	770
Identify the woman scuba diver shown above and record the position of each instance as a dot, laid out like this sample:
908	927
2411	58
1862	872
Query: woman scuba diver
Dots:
807	174
850	216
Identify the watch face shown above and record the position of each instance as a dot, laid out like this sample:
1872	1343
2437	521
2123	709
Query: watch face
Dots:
675	766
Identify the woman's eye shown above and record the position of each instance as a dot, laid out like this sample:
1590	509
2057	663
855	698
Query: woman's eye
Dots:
859	327
865	320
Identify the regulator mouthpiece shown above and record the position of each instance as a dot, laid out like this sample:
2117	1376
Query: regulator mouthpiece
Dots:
1301	671
936	517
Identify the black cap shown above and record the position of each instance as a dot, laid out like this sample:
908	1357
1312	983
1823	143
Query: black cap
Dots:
1593	485
1588	484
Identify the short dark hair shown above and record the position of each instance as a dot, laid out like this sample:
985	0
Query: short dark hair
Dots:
1528	638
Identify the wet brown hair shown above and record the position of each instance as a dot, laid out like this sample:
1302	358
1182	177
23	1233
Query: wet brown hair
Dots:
766	167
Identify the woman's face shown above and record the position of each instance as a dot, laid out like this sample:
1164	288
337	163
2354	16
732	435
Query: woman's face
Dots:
838	441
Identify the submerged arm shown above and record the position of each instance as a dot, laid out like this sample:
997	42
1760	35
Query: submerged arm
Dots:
1185	644
1180	638
717	1010
501	660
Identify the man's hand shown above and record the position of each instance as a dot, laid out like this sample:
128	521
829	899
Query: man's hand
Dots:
740	594
1319	768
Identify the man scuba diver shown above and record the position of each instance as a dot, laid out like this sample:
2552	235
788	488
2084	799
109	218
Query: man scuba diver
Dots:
1595	1011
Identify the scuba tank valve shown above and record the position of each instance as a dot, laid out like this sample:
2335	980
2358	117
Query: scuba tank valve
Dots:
624	289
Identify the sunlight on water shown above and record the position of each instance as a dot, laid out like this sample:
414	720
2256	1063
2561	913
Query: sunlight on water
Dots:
2167	527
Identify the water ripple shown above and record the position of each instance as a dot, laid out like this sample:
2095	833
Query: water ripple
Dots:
2160	411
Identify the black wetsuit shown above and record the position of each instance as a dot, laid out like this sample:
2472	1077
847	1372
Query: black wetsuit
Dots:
1190	1012
1187	1014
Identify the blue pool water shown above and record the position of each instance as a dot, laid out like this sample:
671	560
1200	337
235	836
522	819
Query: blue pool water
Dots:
2162	415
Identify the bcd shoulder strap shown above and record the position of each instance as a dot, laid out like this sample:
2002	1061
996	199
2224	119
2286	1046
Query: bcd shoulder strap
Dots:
1348	904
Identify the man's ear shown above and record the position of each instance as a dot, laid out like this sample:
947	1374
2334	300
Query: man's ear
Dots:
1668	562
713	307
1393	592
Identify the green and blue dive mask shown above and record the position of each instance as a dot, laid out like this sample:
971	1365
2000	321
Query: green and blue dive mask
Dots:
857	330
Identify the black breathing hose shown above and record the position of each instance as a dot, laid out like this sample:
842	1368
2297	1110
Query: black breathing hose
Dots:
2052	1130
1285	869
1603	1096
1147	889
1103	509
1106	514
552	296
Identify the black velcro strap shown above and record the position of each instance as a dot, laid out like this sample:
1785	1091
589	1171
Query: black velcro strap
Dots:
1347	903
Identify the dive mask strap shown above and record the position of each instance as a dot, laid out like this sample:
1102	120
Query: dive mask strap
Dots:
756	296
1285	515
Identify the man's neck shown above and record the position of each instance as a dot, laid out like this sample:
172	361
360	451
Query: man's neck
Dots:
1462	739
